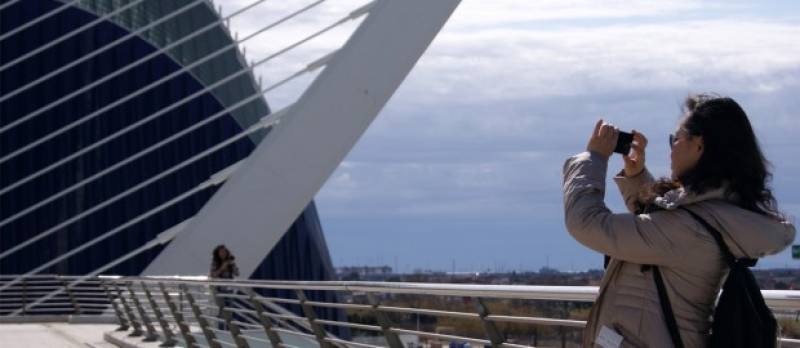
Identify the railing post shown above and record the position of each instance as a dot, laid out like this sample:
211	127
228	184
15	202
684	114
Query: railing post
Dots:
227	315
198	314
123	323
236	332
24	296
319	332
266	323
137	326
495	336
179	319
151	335
220	303
169	338
384	322
561	329
70	295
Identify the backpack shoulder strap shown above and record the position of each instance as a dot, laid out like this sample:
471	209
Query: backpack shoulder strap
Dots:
666	308
730	259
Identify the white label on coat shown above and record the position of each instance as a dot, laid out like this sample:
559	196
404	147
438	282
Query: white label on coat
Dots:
608	338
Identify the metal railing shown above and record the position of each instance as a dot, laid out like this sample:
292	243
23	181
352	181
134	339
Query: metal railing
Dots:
202	312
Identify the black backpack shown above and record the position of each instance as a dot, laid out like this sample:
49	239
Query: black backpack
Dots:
741	318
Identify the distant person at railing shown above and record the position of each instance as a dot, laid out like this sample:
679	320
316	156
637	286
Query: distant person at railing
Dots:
719	173
223	265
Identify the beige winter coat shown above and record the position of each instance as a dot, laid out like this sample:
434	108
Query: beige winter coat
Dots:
689	259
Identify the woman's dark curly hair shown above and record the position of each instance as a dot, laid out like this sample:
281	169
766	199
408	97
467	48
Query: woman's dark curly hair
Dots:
731	157
215	254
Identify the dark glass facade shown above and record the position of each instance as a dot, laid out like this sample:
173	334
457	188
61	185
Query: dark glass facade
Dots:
301	253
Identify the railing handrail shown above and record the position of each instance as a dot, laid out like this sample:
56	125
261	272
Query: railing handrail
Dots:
510	291
776	299
143	302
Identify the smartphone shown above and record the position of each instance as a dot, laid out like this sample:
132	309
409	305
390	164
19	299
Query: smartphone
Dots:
624	143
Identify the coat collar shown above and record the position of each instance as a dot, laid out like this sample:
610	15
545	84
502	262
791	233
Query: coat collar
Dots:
680	196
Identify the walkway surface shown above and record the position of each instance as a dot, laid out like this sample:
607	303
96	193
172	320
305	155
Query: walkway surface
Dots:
55	335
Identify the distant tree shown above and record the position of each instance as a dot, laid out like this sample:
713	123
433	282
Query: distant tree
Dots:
352	276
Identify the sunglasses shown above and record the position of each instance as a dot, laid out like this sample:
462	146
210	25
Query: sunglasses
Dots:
673	137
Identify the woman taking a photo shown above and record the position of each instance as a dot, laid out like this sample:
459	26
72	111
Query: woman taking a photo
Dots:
718	173
223	266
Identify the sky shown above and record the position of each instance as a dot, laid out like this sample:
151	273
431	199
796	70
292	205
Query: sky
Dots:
462	168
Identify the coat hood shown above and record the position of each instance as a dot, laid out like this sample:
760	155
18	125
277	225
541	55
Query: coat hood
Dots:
752	234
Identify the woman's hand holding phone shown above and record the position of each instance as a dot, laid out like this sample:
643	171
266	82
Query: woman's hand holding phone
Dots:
603	139
634	160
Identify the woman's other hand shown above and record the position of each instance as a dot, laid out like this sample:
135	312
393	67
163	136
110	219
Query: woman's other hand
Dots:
634	161
603	139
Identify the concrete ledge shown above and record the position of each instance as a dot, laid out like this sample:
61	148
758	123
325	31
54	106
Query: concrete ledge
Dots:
90	319
113	338
34	319
58	318
123	340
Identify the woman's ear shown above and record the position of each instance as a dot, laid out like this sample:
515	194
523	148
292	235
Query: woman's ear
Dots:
700	145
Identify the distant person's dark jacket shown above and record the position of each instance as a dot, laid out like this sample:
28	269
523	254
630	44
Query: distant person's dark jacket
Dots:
224	270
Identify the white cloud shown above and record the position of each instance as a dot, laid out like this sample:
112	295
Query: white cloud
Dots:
505	92
490	14
500	50
508	64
